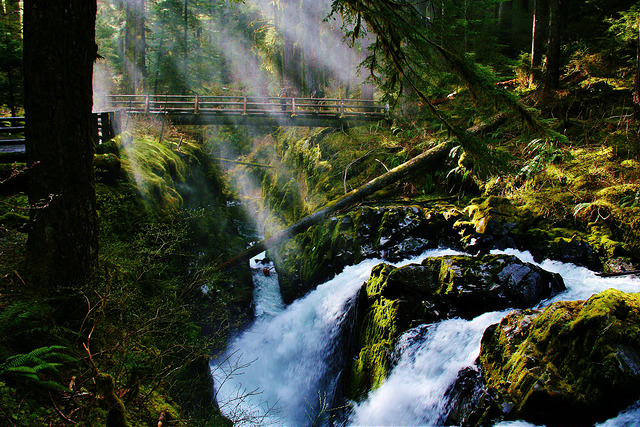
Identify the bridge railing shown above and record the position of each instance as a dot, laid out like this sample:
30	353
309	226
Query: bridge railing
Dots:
11	130
247	105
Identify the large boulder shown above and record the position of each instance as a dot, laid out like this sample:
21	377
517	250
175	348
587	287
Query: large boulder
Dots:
573	363
396	299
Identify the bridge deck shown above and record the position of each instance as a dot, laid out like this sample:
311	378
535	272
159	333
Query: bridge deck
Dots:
254	111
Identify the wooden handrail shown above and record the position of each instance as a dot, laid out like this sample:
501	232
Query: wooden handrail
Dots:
246	105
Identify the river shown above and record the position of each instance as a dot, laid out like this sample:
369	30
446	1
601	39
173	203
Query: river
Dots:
283	370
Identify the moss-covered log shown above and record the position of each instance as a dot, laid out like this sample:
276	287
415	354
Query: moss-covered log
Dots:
396	174
417	163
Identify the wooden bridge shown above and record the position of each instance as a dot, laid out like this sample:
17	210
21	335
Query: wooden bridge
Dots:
253	110
214	110
12	142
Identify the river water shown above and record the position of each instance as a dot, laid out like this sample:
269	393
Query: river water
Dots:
283	370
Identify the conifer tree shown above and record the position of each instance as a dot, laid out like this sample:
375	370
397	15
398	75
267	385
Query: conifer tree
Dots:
59	51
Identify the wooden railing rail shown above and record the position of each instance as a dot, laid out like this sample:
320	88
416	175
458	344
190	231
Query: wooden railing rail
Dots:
247	105
11	130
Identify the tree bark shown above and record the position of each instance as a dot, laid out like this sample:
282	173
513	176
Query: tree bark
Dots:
540	9
552	81
505	25
59	51
636	82
135	46
11	51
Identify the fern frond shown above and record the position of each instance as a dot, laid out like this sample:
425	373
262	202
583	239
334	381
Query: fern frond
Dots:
38	360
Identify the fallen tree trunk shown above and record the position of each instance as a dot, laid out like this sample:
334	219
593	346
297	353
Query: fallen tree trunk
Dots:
435	154
414	165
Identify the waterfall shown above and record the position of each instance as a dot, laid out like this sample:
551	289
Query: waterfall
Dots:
414	393
283	369
279	371
283	357
267	299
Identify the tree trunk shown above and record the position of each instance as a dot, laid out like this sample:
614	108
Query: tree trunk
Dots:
59	51
11	51
186	47
505	26
636	82
135	50
540	9
552	81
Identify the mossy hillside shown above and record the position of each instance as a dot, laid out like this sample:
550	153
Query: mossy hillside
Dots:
313	167
157	309
576	359
331	163
155	168
589	193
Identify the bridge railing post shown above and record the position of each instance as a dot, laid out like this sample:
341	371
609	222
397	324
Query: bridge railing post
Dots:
195	106
146	104
341	106
244	105
293	106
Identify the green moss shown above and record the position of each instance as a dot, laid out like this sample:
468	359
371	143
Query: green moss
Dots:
378	280
13	219
369	370
116	412
156	168
377	335
575	353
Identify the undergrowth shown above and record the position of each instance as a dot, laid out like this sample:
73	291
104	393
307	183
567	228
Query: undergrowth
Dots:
134	343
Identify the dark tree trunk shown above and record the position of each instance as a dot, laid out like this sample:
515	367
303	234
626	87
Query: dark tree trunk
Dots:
11	26
186	47
59	51
552	81
135	46
540	15
636	82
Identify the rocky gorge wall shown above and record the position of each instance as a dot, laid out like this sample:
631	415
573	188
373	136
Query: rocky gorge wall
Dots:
396	232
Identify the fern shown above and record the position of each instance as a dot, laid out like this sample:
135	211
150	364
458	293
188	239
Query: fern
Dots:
545	153
20	315
630	201
27	367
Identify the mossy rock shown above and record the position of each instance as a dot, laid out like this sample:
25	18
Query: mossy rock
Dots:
394	300
390	232
574	363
